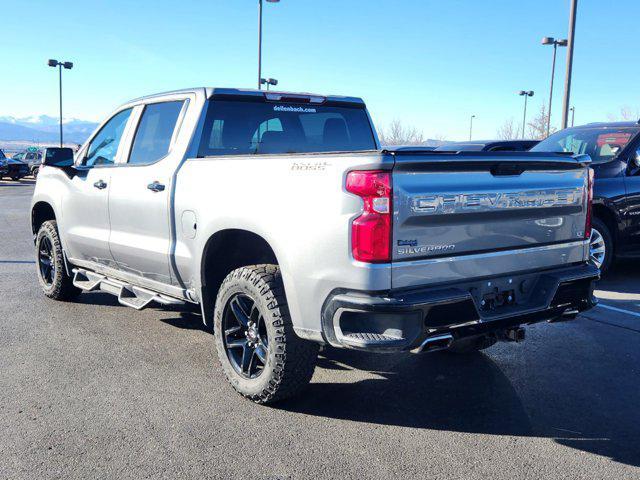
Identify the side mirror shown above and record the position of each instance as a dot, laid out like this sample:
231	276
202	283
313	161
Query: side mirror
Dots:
58	157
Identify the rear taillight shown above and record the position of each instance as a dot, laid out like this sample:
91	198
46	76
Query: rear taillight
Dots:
587	225
371	231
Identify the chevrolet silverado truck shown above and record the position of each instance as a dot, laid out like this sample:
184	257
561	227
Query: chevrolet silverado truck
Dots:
279	214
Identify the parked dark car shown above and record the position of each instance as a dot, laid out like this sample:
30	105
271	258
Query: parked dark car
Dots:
3	165
13	168
488	146
32	157
614	148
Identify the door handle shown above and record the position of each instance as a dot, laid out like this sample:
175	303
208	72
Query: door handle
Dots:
156	186
100	184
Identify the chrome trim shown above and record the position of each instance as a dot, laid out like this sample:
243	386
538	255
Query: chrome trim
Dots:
502	253
437	338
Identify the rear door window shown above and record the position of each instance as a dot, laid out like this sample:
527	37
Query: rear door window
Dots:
155	131
258	127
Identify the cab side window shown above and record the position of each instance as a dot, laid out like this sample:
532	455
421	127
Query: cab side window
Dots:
154	133
103	148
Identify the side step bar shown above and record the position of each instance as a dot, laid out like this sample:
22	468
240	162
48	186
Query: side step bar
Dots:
128	295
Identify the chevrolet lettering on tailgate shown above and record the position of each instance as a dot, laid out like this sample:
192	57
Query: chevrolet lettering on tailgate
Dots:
484	202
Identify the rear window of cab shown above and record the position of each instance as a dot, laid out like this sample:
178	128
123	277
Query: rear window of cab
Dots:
259	127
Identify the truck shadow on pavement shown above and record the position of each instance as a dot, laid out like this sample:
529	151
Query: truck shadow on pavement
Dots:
471	394
622	278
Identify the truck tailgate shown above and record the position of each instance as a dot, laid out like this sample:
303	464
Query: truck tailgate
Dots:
468	203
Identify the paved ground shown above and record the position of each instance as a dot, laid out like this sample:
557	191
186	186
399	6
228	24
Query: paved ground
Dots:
94	389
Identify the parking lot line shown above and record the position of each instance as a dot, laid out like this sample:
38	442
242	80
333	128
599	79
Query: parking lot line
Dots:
621	310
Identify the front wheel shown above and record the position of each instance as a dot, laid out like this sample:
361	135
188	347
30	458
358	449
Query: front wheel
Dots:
261	356
52	274
601	248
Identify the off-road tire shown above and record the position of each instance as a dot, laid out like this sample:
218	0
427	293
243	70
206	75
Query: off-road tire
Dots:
61	287
290	360
466	346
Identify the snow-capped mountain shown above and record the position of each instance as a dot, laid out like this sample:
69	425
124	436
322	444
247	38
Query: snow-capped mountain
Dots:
44	128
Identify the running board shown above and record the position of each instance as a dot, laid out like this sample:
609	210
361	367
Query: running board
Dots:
128	295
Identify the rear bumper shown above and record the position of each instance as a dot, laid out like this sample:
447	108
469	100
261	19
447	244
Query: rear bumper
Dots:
401	320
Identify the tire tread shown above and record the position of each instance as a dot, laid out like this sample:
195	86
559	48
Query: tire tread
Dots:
295	357
63	288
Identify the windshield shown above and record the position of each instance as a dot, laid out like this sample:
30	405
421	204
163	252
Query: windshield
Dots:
600	143
252	127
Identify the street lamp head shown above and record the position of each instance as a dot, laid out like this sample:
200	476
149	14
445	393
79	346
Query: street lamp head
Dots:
548	40
52	62
562	43
530	93
272	81
68	65
273	1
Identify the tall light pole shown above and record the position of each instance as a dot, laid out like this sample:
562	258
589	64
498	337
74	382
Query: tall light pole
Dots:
471	126
260	40
556	43
526	95
68	65
567	80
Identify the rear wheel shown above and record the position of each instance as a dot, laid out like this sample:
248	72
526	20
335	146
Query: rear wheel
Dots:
601	249
52	274
261	356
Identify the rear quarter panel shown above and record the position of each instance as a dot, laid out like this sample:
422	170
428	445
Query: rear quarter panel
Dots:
298	204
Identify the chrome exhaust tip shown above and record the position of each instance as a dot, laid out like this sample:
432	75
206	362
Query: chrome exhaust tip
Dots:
435	343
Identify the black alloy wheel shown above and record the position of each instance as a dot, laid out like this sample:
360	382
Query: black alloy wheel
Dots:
245	336
46	262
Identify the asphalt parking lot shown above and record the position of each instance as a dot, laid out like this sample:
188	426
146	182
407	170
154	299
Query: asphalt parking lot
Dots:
95	389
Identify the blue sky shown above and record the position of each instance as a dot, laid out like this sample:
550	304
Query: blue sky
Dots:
429	63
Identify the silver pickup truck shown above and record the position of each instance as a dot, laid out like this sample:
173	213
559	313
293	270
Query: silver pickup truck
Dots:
283	219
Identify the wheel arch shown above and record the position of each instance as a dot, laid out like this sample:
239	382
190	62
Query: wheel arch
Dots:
609	218
40	213
223	252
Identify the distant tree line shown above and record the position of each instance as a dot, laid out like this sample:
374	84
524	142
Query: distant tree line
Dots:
398	133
